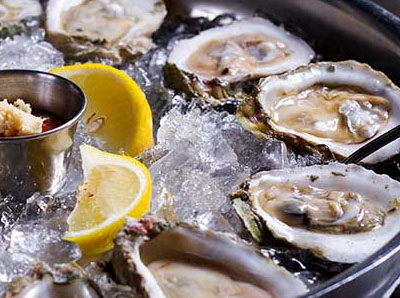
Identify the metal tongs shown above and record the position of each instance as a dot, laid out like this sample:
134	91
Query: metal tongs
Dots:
373	146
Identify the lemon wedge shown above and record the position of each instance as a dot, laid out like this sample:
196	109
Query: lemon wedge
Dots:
118	112
114	187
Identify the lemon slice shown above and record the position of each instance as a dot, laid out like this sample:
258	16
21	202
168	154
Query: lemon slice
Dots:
118	112
114	187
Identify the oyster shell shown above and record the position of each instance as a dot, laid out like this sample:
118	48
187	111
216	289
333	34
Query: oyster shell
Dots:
206	64
12	14
18	10
63	281
113	29
328	107
185	261
341	213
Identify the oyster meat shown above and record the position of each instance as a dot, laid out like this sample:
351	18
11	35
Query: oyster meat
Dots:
185	261
326	107
62	281
341	213
245	49
113	29
13	12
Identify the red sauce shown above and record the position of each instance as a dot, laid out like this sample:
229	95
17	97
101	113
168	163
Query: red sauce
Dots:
50	122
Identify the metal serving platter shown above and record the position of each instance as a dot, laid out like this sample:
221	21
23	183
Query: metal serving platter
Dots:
337	30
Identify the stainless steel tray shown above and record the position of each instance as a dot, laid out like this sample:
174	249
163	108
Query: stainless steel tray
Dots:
338	30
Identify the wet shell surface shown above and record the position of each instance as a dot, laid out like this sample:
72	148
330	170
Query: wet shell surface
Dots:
339	106
63	281
115	29
245	49
341	213
185	261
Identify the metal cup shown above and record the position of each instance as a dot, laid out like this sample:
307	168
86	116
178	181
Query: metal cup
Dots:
39	162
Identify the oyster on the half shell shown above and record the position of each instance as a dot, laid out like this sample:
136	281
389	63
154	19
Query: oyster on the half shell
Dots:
185	261
341	213
334	107
206	64
113	29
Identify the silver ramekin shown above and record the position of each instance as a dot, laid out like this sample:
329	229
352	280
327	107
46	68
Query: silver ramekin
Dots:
39	162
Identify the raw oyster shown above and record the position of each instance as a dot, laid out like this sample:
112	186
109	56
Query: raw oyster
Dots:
328	107
206	64
341	213
12	14
63	281
185	261
113	29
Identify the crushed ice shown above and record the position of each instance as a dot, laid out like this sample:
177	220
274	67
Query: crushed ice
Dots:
207	155
13	265
29	52
147	72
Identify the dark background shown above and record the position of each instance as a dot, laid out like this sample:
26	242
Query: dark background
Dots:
392	5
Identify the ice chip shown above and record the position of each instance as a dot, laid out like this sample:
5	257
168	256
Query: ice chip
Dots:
38	241
29	52
274	155
147	71
252	152
10	208
13	265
